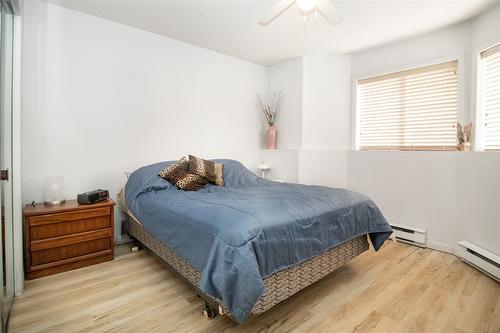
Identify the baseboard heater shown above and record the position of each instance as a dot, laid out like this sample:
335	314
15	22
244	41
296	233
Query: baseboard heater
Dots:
480	258
410	235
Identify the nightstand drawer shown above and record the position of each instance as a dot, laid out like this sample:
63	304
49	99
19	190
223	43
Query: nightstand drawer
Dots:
49	243
43	231
69	251
68	216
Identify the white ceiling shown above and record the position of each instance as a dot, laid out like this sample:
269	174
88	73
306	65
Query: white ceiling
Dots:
231	26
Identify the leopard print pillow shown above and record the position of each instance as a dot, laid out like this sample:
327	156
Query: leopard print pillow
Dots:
174	170
190	181
213	172
178	174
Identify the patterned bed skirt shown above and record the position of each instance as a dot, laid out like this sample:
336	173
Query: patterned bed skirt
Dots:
278	286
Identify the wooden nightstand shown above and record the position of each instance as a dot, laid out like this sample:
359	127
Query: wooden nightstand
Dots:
68	236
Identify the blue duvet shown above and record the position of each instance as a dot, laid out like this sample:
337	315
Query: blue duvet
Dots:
238	234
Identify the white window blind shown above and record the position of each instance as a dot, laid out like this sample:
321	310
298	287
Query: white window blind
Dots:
491	98
410	110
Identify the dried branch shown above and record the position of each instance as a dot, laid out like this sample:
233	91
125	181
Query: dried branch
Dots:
270	110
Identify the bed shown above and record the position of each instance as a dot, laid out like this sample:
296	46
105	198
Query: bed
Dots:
253	243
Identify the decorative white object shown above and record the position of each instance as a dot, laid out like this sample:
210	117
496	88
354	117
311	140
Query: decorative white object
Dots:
464	135
54	190
263	167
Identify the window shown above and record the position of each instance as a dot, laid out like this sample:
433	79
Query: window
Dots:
490	133
410	110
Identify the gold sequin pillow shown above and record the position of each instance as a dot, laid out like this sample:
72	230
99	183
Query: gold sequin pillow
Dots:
213	172
178	174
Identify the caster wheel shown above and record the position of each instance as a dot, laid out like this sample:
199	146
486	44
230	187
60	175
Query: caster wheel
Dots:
208	312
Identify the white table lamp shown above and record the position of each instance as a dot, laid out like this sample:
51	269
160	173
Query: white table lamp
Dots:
263	167
54	190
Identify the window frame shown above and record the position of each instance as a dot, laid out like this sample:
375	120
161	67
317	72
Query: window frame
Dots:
390	70
480	87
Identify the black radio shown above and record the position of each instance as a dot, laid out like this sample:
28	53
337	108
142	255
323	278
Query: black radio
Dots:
91	197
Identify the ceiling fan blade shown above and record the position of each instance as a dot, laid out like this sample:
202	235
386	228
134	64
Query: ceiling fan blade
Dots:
330	12
275	11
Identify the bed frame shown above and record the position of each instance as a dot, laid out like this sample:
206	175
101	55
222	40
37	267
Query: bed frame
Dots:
278	286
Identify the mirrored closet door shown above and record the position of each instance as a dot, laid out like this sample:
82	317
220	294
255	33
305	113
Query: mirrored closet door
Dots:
6	193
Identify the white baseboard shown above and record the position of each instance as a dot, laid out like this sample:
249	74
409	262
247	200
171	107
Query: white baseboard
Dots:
480	258
440	247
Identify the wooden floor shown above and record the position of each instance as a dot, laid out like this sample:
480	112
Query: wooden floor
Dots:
399	289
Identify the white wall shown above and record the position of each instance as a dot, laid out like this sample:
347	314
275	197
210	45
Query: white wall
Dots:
478	199
486	29
326	131
100	98
324	167
411	188
326	102
284	164
314	120
454	195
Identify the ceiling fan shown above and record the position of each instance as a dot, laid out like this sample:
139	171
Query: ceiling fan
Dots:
306	8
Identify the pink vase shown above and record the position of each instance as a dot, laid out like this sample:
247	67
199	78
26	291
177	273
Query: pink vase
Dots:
271	137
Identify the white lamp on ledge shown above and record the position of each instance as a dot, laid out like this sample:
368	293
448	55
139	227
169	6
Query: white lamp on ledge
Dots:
263	167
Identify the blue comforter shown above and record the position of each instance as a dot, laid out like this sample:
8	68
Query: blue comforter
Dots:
238	234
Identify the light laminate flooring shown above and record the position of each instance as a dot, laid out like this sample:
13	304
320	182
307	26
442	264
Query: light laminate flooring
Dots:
401	288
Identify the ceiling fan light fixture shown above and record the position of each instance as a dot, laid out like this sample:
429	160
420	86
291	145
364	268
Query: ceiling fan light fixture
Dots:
307	6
